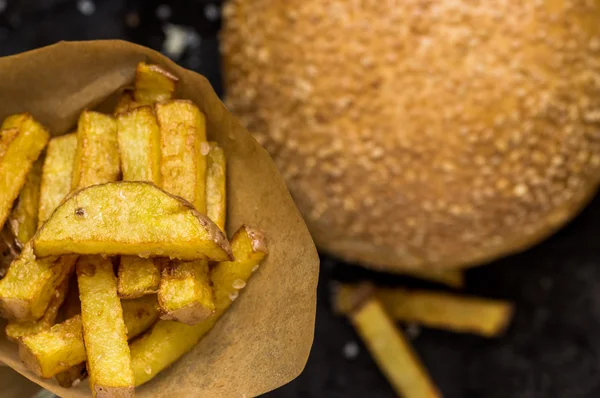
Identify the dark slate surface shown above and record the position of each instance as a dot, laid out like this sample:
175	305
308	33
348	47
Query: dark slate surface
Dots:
552	348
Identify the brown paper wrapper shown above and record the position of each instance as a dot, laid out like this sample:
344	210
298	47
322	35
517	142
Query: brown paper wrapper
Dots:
263	341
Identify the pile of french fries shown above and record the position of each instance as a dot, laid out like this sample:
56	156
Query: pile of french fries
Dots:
373	312
114	239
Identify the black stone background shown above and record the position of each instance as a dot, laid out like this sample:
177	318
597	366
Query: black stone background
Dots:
551	349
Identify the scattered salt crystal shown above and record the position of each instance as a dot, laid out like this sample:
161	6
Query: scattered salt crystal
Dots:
233	296
239	284
351	350
121	195
86	7
205	148
413	330
255	268
148	369
163	12
75	382
211	12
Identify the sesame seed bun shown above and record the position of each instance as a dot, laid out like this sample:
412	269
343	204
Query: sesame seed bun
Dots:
418	134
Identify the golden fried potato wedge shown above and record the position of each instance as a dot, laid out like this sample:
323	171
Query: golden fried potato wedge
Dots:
138	276
23	219
57	174
216	197
185	293
167	341
16	330
97	157
30	284
139	144
183	161
22	140
393	353
485	317
130	218
153	84
55	350
104	332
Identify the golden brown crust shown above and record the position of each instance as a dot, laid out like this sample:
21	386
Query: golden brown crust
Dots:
448	136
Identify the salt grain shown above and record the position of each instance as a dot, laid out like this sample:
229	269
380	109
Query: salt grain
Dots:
234	295
86	7
75	382
148	369
239	284
255	268
205	148
351	350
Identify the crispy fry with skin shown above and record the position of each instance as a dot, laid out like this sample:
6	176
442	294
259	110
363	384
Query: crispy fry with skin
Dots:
153	84
16	330
57	174
216	197
22	140
447	311
30	283
392	352
453	277
55	350
167	341
130	218
139	144
184	293
104	332
97	157
23	219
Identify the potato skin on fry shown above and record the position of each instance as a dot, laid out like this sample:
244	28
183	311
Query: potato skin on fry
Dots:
130	218
22	139
23	220
104	332
167	341
29	284
97	157
57	174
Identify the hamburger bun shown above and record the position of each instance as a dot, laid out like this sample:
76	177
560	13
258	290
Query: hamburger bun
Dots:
423	134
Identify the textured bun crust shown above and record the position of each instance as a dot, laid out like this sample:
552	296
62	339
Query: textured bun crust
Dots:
423	134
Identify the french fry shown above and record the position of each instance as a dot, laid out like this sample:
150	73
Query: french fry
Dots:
480	316
183	162
392	352
16	330
97	156
30	284
167	341
23	219
8	250
104	332
57	174
125	102
454	277
54	350
130	218
216	197
139	144
61	347
184	293
22	139
153	84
